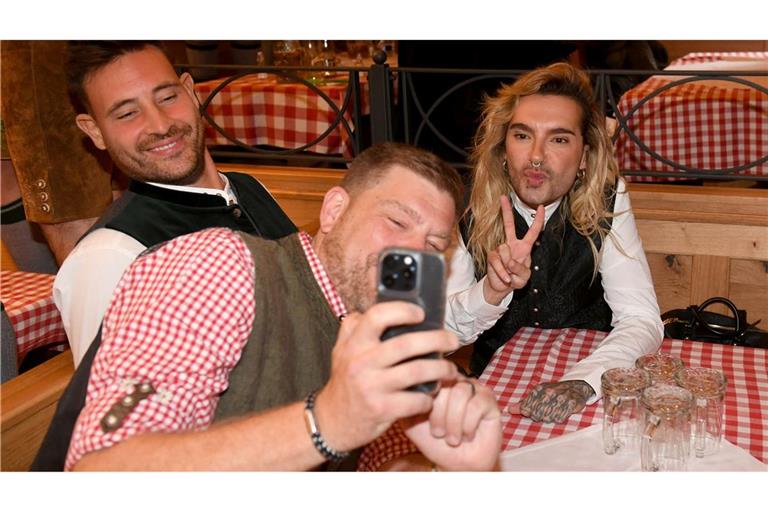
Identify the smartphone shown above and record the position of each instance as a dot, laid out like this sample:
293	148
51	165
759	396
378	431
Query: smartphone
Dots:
417	277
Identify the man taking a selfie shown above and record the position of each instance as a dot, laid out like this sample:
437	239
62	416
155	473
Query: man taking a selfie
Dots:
225	351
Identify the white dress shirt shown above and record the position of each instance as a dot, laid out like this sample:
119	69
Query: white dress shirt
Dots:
627	284
84	284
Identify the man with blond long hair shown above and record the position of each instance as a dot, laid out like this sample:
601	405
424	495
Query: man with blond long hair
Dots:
544	168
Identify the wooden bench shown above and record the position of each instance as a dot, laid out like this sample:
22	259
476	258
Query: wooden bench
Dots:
700	241
28	403
705	241
298	190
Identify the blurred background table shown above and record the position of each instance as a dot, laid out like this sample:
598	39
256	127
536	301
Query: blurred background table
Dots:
534	356
709	124
260	110
28	304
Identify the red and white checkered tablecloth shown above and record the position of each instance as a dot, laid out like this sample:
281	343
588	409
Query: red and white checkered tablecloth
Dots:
258	110
704	125
703	57
535	355
29	305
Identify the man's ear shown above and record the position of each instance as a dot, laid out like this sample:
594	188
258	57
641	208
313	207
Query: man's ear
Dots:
87	124
189	85
335	203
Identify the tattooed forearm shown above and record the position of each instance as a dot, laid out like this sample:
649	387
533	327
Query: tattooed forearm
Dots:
554	402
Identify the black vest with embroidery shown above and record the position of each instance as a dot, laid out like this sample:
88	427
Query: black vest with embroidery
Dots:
560	293
153	214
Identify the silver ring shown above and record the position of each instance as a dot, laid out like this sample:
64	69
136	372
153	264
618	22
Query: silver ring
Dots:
535	165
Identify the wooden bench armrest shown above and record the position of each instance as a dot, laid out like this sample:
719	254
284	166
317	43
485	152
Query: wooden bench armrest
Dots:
28	404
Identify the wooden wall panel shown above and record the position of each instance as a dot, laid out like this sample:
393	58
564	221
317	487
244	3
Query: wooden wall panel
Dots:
671	279
710	278
749	289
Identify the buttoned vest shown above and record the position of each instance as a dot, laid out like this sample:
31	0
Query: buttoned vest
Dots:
560	292
153	214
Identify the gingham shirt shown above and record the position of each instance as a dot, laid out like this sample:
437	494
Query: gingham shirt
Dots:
179	319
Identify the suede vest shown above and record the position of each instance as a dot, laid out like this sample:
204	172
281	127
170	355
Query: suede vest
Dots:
560	292
288	353
153	214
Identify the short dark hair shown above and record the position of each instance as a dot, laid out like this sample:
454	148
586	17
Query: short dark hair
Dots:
373	164
87	57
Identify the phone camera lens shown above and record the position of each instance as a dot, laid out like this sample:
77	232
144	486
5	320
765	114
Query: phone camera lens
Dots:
389	281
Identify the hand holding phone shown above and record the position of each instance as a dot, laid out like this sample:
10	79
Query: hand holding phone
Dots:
417	277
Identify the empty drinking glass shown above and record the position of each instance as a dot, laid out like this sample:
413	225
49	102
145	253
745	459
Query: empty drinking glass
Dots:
708	388
621	406
666	437
661	367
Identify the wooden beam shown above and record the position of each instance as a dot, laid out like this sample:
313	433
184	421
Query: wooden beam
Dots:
674	237
714	205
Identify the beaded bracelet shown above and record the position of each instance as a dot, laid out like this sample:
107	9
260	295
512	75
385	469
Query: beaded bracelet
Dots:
317	439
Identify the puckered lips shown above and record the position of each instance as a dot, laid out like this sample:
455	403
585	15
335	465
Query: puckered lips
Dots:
535	178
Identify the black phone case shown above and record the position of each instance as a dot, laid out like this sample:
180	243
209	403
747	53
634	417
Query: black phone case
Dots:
428	292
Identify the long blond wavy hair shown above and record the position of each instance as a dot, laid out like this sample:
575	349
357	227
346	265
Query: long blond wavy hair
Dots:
585	205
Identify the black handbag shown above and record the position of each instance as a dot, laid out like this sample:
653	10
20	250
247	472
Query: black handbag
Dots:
694	323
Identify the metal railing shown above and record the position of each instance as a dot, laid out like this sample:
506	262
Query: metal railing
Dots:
401	109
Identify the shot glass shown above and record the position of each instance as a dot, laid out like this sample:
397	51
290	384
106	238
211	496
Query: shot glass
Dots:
661	367
621	408
666	439
707	386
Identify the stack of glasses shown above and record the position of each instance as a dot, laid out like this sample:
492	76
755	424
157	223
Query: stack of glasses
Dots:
663	411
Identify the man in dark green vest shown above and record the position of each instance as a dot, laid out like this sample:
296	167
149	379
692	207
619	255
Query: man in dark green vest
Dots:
221	350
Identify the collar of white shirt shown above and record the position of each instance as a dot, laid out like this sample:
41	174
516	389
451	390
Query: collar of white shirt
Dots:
528	213
227	193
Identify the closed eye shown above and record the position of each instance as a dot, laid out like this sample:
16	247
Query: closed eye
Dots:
126	115
396	222
168	98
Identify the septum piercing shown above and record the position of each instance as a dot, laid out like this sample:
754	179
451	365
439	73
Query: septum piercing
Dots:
535	165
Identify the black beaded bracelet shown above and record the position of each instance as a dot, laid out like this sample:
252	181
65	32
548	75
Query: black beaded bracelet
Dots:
317	438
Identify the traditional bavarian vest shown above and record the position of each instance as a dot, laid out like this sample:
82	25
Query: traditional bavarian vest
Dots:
288	353
153	214
560	293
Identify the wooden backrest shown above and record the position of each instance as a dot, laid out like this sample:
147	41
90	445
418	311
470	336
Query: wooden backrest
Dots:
705	241
298	190
28	404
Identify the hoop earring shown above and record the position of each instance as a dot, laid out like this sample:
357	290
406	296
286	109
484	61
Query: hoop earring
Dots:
581	174
504	166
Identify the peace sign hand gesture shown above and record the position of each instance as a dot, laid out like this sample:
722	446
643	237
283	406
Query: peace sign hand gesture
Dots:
509	265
